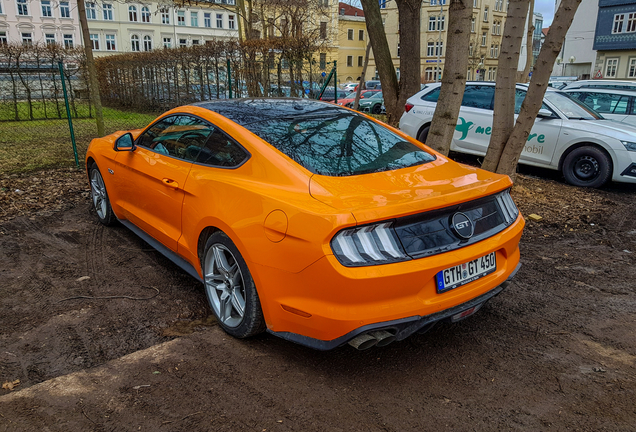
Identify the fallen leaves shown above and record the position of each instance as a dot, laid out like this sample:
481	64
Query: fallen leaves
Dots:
10	385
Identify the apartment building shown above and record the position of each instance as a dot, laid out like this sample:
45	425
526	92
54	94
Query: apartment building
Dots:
615	40
39	21
353	39
117	27
486	28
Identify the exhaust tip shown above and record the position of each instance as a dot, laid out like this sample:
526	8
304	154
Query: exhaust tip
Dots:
384	337
363	342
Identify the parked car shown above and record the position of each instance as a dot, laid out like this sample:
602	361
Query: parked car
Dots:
372	104
598	84
567	136
309	220
349	87
619	105
351	97
330	95
373	84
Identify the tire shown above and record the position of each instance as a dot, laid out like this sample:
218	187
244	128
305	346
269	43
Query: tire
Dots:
99	196
423	135
377	109
230	288
587	167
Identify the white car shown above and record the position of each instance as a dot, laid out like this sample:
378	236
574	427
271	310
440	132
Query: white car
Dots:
601	84
567	136
619	105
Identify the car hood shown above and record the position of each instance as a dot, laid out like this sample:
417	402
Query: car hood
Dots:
611	128
384	195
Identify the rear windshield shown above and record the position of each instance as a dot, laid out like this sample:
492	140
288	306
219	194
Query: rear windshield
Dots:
340	144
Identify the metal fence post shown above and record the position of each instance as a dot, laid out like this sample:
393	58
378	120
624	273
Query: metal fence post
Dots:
68	113
229	77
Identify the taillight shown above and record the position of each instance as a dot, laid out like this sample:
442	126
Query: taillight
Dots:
408	107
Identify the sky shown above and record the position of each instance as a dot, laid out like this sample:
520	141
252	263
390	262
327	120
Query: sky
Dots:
546	8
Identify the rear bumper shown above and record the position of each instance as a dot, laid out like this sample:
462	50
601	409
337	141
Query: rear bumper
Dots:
327	304
401	328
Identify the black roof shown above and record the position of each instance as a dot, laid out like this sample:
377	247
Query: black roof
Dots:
249	110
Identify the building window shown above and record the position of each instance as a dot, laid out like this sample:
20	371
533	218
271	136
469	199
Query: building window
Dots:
323	60
110	42
207	19
323	30
383	4
360	61
435	49
2	12
183	42
470	50
65	10
632	68
147	43
132	13
145	14
631	23
23	9
195	42
618	23
165	16
219	20
3	38
610	68
431	23
361	35
134	43
46	8
492	50
230	22
349	61
496	50
472	25
68	41
27	39
167	42
107	12
49	38
181	18
91	11
349	34
483	38
486	14
94	41
194	19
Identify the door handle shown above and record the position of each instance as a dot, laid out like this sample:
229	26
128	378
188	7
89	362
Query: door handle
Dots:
170	183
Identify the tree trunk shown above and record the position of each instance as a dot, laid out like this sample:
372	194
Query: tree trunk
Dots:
410	12
504	113
529	43
356	103
451	94
383	61
538	85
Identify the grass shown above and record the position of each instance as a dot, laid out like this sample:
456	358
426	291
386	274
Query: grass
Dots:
38	144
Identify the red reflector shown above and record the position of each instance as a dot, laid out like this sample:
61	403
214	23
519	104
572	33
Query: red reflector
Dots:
408	107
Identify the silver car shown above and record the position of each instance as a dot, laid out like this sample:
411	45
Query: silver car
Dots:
567	135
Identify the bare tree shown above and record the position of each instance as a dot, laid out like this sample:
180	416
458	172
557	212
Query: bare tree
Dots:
541	72
503	115
453	80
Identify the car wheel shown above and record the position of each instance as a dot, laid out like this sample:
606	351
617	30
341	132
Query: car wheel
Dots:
377	109
587	166
423	135
230	288
101	203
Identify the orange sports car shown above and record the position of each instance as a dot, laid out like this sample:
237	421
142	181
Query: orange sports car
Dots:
316	223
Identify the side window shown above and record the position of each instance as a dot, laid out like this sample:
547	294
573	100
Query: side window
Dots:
619	106
606	103
479	96
632	110
221	150
180	136
574	95
432	96
520	95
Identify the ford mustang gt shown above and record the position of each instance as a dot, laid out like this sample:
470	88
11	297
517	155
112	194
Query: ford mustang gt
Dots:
316	223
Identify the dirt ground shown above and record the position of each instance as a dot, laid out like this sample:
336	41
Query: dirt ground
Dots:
101	333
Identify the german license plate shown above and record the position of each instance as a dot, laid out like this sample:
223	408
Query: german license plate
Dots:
462	274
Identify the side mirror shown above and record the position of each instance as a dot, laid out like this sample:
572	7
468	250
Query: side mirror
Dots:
125	143
545	113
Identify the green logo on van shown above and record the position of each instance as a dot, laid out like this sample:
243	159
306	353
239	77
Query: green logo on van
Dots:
463	126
